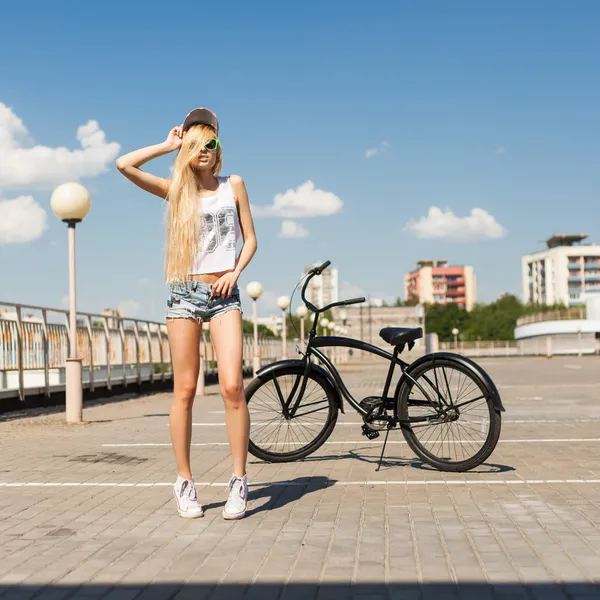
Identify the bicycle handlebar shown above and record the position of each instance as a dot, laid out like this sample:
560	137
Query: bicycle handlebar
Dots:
352	301
320	269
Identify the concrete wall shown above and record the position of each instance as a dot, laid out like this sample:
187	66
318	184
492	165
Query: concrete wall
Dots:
586	343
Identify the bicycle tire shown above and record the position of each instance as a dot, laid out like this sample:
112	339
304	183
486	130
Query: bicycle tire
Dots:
316	383
408	428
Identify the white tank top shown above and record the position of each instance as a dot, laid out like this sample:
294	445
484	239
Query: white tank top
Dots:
219	231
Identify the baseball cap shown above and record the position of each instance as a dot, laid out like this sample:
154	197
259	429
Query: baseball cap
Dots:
201	116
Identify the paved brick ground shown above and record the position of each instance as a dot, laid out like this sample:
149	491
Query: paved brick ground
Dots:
525	526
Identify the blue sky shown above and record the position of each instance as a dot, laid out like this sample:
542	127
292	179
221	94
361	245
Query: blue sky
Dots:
391	107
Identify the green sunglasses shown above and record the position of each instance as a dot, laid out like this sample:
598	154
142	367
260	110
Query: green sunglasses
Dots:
212	145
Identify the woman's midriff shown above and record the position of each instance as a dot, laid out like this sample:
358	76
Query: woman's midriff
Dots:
208	277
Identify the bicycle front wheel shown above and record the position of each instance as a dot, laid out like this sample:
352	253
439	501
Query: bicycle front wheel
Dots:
286	422
447	415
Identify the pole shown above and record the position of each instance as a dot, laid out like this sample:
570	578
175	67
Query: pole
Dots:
361	323
283	335
369	308
73	395
302	332
72	293
361	355
256	356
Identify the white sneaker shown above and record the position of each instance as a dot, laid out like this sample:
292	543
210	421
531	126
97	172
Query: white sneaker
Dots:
235	508
187	500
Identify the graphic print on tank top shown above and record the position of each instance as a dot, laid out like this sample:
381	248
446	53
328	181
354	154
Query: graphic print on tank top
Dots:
218	229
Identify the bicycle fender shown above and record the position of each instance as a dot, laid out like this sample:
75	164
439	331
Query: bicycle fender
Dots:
463	361
264	372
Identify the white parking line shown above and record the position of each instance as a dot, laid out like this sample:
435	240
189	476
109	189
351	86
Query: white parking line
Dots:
525	441
507	421
305	483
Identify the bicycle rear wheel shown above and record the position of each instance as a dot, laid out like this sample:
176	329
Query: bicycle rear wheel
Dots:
275	434
447	415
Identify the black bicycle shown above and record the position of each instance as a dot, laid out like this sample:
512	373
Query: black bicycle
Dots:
447	406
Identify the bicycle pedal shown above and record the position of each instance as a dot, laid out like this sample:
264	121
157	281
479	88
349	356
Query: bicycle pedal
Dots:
369	433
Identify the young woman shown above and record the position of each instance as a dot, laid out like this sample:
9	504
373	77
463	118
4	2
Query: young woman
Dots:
206	216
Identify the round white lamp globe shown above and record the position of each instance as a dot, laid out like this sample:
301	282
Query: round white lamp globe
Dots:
70	202
301	311
254	290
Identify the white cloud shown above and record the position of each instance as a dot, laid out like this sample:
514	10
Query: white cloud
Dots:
292	230
21	220
145	281
23	164
479	225
380	149
500	150
305	201
130	308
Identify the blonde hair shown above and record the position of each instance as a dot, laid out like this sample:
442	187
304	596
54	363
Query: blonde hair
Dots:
183	226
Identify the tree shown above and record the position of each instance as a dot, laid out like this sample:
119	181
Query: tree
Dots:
443	318
494	321
263	330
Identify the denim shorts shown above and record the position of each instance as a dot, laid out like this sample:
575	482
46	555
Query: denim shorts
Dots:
194	300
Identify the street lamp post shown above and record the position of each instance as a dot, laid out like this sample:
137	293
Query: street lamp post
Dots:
323	323
338	331
255	290
283	302
71	202
301	313
455	334
331	326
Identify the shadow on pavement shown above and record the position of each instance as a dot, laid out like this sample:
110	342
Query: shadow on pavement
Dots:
281	493
305	591
415	463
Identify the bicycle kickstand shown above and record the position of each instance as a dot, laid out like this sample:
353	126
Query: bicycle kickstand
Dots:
383	449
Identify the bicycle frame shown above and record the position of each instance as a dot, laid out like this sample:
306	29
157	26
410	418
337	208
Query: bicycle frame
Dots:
376	411
317	342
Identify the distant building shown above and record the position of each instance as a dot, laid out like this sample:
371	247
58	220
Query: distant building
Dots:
11	315
364	322
273	322
563	273
114	316
435	282
324	289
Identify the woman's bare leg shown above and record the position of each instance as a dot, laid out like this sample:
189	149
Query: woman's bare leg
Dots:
226	334
184	339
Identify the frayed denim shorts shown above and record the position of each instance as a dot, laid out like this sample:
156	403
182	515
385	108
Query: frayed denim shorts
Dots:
194	300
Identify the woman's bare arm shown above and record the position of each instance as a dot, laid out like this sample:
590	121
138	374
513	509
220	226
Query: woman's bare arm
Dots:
129	164
246	223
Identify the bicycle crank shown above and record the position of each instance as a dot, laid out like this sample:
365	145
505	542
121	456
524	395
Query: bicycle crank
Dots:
369	433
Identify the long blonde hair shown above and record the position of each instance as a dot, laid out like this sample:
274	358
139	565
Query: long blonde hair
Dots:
183	226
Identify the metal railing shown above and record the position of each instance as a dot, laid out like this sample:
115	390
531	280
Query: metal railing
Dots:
553	315
115	351
547	345
488	348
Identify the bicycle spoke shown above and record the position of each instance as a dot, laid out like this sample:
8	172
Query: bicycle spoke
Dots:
460	425
268	406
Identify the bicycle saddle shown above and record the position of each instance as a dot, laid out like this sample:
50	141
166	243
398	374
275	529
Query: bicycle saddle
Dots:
400	335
